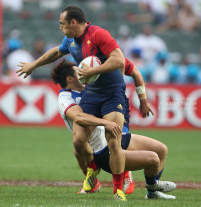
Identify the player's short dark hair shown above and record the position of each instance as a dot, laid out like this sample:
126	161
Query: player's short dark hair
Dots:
61	71
74	12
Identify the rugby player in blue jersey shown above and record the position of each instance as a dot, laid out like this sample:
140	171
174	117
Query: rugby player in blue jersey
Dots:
105	97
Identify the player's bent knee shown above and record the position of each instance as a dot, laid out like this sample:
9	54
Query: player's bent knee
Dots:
110	137
76	154
163	151
80	134
114	145
78	138
154	160
78	144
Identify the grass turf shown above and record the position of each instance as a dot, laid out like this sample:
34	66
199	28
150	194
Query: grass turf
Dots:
47	154
21	196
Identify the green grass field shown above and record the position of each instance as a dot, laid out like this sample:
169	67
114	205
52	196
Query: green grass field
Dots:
12	196
47	154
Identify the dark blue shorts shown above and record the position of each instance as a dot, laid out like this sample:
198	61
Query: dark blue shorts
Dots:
102	158
100	104
125	129
126	115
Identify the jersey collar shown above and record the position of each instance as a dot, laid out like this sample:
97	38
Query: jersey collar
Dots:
68	90
86	29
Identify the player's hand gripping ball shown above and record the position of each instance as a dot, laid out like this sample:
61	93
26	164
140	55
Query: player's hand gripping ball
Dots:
93	62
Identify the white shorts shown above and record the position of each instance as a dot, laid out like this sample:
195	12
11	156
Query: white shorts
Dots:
98	140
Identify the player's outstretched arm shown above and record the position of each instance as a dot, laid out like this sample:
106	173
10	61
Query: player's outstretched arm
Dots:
78	116
132	71
49	57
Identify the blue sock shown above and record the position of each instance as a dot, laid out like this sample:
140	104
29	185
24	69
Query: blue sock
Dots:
150	180
150	193
159	175
157	178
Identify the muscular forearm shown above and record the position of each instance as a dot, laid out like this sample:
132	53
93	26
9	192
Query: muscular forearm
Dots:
111	64
139	83
49	57
115	61
88	120
137	76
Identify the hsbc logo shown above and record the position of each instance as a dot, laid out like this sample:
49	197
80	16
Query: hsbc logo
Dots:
29	104
37	104
182	110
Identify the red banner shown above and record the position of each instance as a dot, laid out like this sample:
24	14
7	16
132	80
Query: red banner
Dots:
174	106
177	106
34	104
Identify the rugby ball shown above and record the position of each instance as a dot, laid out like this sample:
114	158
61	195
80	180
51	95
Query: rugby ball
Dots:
93	62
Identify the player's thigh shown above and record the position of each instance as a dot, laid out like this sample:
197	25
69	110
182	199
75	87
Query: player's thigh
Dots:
81	134
91	103
139	142
116	117
137	160
113	108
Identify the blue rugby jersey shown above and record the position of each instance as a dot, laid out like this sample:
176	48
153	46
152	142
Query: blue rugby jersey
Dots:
95	41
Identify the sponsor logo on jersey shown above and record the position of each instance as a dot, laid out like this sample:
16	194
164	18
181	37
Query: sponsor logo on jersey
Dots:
88	42
120	107
64	104
72	44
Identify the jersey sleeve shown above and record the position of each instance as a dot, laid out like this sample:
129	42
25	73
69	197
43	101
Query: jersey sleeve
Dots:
105	41
128	67
65	102
63	48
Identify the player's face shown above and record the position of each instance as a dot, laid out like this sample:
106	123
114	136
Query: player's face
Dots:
76	81
66	28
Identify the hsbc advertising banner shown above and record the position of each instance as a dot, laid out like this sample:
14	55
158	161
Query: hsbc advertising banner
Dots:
174	106
35	104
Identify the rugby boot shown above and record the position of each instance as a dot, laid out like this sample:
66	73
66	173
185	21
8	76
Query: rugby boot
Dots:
158	195
95	189
119	195
128	182
164	186
90	179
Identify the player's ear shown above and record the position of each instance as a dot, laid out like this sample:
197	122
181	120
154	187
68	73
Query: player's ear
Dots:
69	79
74	22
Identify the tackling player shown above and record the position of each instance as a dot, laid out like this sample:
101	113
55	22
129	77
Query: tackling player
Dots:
142	152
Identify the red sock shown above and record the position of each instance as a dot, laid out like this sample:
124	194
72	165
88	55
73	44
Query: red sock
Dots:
92	165
126	173
118	181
